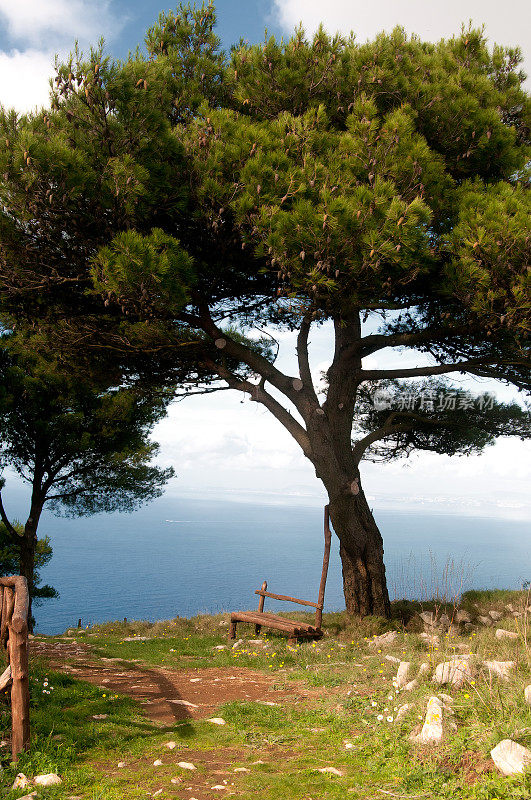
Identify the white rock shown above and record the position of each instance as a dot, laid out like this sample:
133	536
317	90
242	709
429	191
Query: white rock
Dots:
237	644
429	619
527	694
503	634
217	721
402	674
50	779
28	796
509	607
431	639
510	757
463	616
423	669
331	771
384	640
455	672
392	659
500	668
195	680
157	793
183	703
157	763
495	615
402	711
218	787
121	764
186	765
432	730
21	781
241	769
447	700
485	621
412	685
445	621
171	745
347	744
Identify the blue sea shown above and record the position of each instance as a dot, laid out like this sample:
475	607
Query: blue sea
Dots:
180	557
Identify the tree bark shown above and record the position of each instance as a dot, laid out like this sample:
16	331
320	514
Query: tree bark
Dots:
28	544
361	551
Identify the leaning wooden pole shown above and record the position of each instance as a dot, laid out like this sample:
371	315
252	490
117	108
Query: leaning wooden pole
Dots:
14	623
324	573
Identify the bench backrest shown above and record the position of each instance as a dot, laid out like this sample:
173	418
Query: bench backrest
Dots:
320	599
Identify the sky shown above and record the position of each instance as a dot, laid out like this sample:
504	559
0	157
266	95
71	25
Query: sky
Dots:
218	445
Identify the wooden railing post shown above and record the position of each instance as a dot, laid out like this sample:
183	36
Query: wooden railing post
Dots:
258	628
324	573
14	636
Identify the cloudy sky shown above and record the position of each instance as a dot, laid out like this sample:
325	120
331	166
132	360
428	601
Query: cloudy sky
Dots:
218	444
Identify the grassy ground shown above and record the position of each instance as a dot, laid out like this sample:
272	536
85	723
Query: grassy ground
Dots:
347	720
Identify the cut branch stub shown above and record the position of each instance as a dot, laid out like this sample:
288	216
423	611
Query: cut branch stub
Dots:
354	487
220	343
297	384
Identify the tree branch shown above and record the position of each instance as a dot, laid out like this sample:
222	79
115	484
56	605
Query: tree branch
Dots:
476	366
303	357
380	433
259	395
9	527
378	341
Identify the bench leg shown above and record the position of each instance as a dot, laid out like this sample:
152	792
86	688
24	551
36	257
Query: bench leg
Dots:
257	629
232	630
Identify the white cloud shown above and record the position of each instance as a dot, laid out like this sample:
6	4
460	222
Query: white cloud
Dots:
506	23
38	30
36	21
24	79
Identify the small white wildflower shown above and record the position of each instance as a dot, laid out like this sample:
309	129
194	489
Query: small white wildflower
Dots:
379	717
374	704
389	718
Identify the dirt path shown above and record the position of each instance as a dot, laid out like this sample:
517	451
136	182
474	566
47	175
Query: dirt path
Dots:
166	695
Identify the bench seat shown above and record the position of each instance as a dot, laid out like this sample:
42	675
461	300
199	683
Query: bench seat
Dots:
295	628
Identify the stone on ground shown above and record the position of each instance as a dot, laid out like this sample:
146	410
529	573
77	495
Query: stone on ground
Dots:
331	771
217	721
463	616
157	763
402	711
412	685
500	668
431	639
495	615
501	633
402	674
121	764
510	757
384	640
186	765
171	745
527	694
455	672
432	730
487	621
50	779
21	781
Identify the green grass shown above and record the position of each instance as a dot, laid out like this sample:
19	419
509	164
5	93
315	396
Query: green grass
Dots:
348	686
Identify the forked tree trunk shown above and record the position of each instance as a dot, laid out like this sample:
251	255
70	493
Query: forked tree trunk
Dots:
361	551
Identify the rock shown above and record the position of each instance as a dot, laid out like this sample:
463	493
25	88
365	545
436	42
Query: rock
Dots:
402	674
28	796
220	647
485	621
186	765
384	640
412	685
463	616
509	607
218	787
223	623
131	638
431	639
331	771
347	744
50	779
157	793
455	672
157	763
402	711
500	668
183	703
444	621
121	764
503	634
432	730
217	721
510	757
171	745
429	619
392	659
237	644
241	769
495	615
527	694
21	781
423	669
100	716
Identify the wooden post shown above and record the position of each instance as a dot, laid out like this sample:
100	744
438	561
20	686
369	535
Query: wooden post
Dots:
15	607
324	573
232	630
258	628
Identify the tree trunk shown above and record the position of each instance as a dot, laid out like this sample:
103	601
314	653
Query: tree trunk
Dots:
28	546
361	551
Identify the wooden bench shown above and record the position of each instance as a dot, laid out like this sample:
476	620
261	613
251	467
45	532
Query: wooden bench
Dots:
295	630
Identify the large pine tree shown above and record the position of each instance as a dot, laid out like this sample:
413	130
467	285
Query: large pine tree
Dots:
169	207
